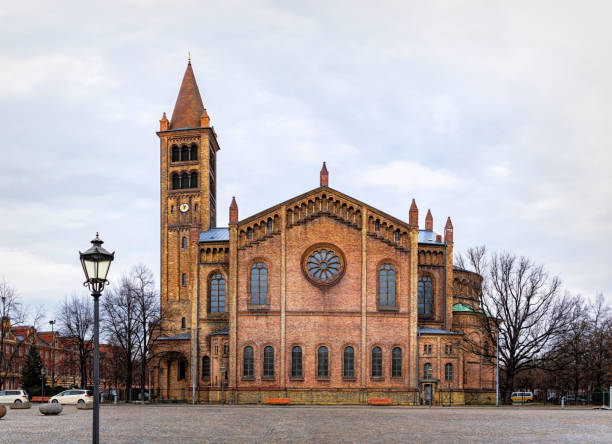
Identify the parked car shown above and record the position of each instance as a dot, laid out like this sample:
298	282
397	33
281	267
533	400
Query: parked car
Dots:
13	396
73	397
575	399
522	397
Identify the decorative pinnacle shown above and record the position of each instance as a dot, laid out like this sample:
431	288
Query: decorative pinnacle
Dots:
189	57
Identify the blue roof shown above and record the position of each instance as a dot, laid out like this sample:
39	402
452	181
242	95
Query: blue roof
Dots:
215	235
428	237
435	331
179	337
225	331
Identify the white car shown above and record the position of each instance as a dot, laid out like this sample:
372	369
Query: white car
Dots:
13	396
73	397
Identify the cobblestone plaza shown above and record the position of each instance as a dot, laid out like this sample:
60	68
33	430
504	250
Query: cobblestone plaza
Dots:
311	424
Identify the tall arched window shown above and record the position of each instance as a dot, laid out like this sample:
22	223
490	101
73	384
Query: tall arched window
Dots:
296	362
217	293
194	180
184	153
322	362
376	362
249	233
386	285
205	368
268	362
183	323
259	284
184	180
247	362
425	296
348	367
448	372
269	225
184	280
396	362
427	371
194	152
184	243
176	181
176	153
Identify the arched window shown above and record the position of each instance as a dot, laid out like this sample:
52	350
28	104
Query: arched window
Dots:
259	284
184	280
376	362
194	180
268	362
448	372
184	153
269	225
377	226
396	362
296	362
183	323
386	285
217	293
184	180
194	152
322	362
249	233
397	236
427	371
182	369
172	209
184	243
425	296
176	181
205	368
348	368
247	362
176	153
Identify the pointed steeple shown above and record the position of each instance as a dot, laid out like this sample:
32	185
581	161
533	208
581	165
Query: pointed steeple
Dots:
429	221
324	176
163	123
189	106
233	212
448	231
413	214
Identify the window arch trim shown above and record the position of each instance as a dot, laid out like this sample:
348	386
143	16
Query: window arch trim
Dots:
250	303
352	377
401	363
293	375
253	362
212	276
379	305
318	373
377	373
265	366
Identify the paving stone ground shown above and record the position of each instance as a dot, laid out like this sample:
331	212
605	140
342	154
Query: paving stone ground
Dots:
309	424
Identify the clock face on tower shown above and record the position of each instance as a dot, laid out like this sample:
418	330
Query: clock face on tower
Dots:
184	208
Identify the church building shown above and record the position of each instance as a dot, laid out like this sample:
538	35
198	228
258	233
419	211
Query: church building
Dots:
321	298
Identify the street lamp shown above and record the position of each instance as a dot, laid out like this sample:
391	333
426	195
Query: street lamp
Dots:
222	381
96	262
52	322
43	372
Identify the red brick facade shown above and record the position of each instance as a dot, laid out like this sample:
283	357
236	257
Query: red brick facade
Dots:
238	302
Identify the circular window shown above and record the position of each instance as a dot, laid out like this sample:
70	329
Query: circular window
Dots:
323	264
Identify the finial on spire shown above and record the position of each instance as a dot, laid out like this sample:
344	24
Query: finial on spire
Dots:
233	212
189	57
413	218
324	179
429	221
163	123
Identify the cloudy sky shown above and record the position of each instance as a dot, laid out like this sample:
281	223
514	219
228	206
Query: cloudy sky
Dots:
493	113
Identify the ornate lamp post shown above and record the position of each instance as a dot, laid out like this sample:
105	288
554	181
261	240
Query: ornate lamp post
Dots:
96	262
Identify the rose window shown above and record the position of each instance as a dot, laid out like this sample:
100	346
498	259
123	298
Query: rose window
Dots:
323	265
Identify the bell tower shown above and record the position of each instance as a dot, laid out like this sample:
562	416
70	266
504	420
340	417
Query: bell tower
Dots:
188	177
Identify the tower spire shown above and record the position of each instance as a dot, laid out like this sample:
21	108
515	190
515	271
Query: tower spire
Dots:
413	214
189	107
429	221
324	176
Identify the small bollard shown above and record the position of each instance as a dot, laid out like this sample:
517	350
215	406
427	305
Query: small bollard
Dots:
562	402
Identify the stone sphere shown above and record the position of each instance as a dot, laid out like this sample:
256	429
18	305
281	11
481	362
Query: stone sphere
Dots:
50	409
2	410
21	405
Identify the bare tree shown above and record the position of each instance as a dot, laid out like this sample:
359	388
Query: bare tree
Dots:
599	343
147	301
120	321
11	313
522	302
76	321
